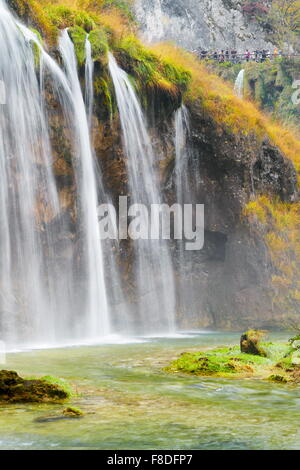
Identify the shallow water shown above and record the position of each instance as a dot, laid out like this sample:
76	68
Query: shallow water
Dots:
129	403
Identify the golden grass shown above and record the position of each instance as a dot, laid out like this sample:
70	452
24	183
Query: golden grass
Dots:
280	224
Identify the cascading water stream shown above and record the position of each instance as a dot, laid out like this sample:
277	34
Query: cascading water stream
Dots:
89	74
239	84
28	194
186	182
153	267
97	323
39	289
182	130
117	304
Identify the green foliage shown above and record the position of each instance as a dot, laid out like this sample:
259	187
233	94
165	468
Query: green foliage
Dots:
98	40
269	84
283	22
35	15
63	16
151	71
125	6
78	36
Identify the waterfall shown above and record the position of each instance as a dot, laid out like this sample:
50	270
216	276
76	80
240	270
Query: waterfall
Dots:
89	85
239	84
97	323
28	195
51	290
182	130
117	304
187	183
153	267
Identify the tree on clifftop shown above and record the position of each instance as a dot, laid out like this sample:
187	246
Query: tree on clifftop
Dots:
284	19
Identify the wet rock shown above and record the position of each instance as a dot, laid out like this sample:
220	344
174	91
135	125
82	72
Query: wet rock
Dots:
250	343
72	412
278	379
14	389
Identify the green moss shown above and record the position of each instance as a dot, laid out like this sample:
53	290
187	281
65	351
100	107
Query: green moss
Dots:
99	44
78	36
35	47
63	16
278	378
285	363
228	361
63	384
15	389
102	92
149	70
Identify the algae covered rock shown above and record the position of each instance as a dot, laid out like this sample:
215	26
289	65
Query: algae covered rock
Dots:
72	412
278	378
250	343
14	388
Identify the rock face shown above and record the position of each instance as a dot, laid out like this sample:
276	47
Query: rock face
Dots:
194	24
229	278
15	389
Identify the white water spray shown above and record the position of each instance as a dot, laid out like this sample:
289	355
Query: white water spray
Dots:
39	290
239	84
28	195
153	267
187	181
96	299
89	84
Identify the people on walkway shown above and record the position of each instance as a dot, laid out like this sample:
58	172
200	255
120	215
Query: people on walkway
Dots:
237	57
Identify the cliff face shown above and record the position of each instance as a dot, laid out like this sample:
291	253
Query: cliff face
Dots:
228	283
196	25
232	275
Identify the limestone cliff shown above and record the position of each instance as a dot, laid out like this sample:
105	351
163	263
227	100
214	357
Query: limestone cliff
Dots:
196	25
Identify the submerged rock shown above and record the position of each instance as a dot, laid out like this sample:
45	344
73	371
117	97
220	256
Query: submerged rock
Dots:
250	343
14	388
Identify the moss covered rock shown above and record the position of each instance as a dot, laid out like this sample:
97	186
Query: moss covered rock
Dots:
78	36
278	378
72	412
250	343
14	388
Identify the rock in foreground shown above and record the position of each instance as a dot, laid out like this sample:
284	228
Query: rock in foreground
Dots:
14	389
250	343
